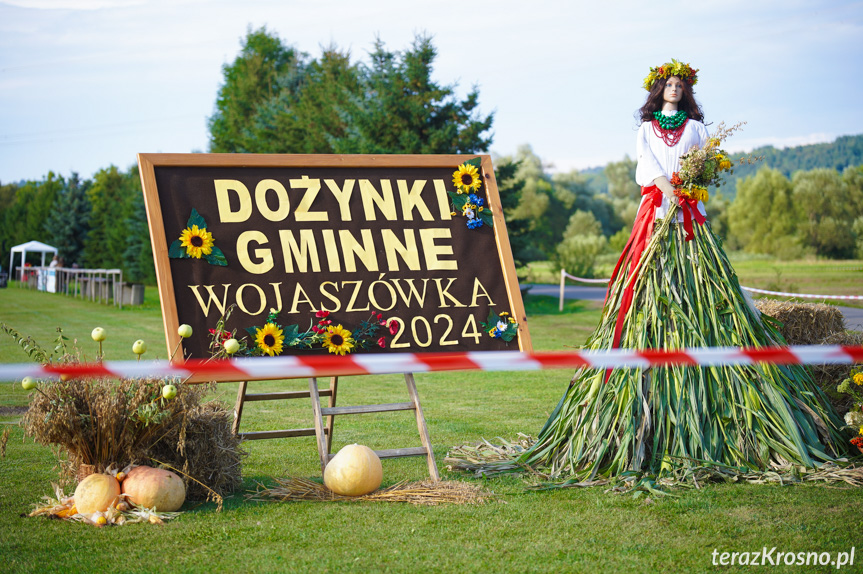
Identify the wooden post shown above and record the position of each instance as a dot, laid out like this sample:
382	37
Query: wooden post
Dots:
421	425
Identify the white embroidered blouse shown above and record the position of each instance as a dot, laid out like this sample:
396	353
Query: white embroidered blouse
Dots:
656	159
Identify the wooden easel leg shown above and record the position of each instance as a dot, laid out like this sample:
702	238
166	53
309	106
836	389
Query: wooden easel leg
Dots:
331	419
323	451
238	408
421	425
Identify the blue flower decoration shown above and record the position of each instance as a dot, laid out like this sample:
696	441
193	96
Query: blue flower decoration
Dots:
477	201
474	223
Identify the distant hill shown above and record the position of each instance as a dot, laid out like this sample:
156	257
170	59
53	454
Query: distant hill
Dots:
845	151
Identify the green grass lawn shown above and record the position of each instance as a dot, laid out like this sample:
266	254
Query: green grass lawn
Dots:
565	530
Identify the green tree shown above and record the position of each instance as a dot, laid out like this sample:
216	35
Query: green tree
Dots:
264	69
403	110
624	193
111	197
275	100
827	205
68	223
763	217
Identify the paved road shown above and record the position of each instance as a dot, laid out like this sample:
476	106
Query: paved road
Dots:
853	316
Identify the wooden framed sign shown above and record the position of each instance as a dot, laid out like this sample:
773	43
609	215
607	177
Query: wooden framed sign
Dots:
317	254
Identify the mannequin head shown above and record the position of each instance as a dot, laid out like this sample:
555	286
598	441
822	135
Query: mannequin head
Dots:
658	95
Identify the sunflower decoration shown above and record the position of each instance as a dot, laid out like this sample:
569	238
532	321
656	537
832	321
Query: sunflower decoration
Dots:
466	178
338	340
501	326
196	242
466	200
269	339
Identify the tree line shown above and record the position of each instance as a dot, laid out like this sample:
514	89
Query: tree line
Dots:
276	99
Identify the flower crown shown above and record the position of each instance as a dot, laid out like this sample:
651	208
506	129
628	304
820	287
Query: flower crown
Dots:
668	69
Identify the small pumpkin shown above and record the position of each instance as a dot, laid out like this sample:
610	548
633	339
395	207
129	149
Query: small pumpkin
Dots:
157	488
354	471
96	493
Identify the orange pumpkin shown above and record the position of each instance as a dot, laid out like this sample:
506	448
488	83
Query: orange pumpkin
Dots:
157	488
96	493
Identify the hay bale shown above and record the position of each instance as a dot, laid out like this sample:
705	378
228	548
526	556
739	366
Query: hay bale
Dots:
803	323
828	377
816	324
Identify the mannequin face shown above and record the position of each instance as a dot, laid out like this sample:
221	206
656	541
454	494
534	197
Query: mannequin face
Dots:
673	91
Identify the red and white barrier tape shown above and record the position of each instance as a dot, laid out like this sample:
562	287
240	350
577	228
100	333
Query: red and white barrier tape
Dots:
258	368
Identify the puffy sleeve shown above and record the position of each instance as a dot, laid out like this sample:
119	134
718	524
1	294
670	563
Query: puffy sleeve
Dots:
702	133
648	167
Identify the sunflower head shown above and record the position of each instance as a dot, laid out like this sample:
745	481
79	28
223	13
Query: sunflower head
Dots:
466	178
338	340
270	339
197	241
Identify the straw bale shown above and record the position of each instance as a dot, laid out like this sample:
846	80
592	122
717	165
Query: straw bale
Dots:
803	323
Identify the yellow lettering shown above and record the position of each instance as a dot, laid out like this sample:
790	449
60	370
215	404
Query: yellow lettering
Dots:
383	200
356	292
432	251
242	304
408	251
205	307
306	252
413	198
332	251
352	248
223	199
442	199
444	292
278	295
312	186
282	200
330	296
297	300
343	196
477	287
412	292
265	256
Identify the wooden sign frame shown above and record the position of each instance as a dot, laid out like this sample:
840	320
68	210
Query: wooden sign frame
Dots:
151	163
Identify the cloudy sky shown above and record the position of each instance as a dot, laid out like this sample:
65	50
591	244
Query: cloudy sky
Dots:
85	84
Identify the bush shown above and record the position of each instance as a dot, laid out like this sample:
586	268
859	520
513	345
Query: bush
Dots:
577	254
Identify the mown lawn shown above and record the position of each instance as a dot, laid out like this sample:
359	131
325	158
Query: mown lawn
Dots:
551	531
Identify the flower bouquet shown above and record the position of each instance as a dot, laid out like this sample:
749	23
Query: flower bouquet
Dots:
853	386
702	167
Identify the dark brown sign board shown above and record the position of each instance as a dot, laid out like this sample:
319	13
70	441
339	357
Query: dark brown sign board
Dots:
359	236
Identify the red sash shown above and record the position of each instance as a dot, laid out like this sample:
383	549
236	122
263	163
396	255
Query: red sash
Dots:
642	230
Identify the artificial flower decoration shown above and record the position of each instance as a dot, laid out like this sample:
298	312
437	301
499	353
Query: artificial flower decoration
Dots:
338	340
465	201
196	242
270	339
672	68
466	178
501	326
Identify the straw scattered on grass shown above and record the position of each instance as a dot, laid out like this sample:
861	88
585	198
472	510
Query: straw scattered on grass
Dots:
425	493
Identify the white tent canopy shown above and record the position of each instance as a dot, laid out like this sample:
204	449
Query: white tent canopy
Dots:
30	247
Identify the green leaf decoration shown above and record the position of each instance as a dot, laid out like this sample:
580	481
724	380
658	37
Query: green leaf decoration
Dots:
291	335
253	332
216	257
177	251
458	200
476	162
196	219
486	217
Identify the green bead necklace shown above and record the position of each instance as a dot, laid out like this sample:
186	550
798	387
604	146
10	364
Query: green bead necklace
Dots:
670	122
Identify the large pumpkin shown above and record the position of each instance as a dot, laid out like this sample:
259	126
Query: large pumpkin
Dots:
356	470
96	493
154	488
